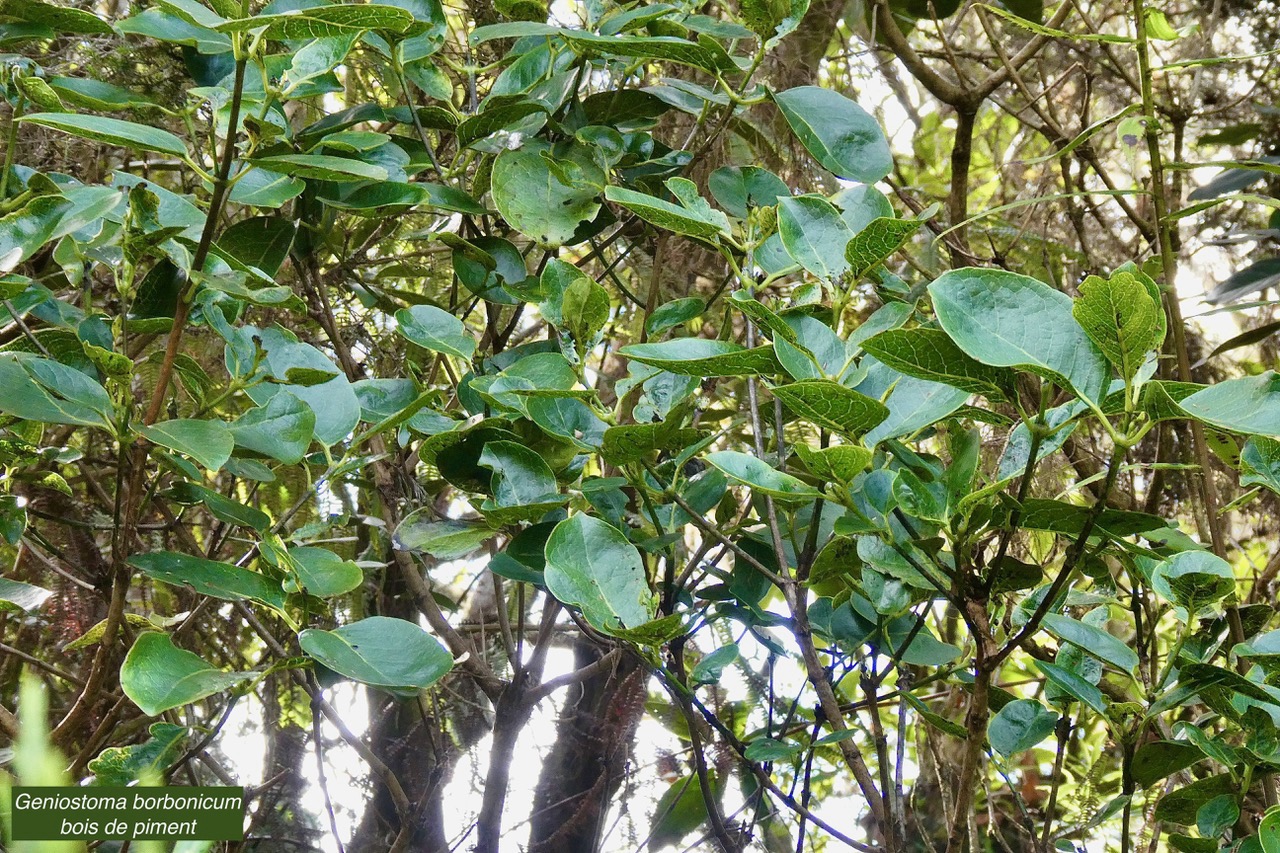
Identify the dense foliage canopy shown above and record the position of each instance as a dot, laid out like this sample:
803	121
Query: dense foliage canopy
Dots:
763	425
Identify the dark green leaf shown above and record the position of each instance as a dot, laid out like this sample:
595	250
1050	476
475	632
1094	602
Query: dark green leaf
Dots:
931	354
209	577
831	405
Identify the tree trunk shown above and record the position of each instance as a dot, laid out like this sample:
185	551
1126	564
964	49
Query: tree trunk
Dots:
587	763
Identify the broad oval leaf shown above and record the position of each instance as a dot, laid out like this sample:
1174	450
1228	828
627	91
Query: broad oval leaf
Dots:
321	572
158	676
437	330
282	429
544	203
814	235
592	566
1008	320
1250	404
208	442
840	135
380	651
1020	725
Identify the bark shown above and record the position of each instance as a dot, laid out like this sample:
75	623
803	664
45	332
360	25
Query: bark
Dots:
588	760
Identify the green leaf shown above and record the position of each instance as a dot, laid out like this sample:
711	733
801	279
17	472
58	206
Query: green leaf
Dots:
1020	725
838	464
322	167
712	666
546	192
445	540
112	131
262	242
321	572
931	354
628	443
740	188
647	47
700	220
324	21
703	357
875	243
584	307
208	577
97	95
591	565
814	235
832	406
208	442
1269	831
1008	320
437	330
761	477
157	675
282	429
1123	317
380	651
1073	685
27	229
680	810
71	400
840	135
1093	641
1194	580
24	596
1250	405
1159	759
125	765
914	404
63	19
521	478
265	188
1217	815
1180	805
771	749
1260	463
674	313
222	507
